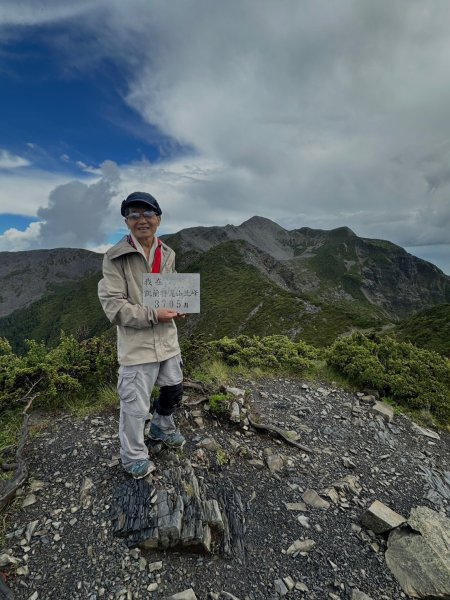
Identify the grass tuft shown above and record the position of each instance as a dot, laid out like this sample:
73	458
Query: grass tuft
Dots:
88	403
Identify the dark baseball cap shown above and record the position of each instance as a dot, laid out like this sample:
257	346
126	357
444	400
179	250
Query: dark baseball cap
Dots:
142	198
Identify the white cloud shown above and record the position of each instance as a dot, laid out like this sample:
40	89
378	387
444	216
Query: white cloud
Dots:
37	12
11	161
310	113
13	240
101	249
25	191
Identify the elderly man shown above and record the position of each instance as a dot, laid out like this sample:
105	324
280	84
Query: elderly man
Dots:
147	342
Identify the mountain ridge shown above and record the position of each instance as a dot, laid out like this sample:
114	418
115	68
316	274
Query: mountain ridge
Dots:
257	278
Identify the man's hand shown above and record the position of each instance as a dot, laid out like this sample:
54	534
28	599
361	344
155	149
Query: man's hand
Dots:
164	315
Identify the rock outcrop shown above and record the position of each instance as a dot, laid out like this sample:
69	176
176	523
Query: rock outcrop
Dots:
418	554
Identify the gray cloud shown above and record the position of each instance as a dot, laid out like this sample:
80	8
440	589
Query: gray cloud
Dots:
78	214
333	114
310	113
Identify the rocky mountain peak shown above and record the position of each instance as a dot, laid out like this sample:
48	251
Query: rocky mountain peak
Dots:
259	224
343	231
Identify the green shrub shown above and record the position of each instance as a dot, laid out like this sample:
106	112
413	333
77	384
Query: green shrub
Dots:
275	352
413	377
62	371
219	404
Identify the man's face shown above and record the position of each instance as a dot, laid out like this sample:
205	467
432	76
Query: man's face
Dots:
143	228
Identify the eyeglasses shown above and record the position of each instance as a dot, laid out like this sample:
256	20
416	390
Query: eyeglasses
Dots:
147	214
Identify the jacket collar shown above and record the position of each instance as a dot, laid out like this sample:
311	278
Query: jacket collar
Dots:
121	248
124	247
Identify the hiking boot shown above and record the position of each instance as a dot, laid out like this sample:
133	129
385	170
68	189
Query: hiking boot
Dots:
172	440
141	468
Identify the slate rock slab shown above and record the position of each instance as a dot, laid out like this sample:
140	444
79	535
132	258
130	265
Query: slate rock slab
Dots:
177	514
418	554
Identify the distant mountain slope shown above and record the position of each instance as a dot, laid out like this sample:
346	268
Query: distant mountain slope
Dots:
239	296
71	306
257	278
430	328
27	276
328	266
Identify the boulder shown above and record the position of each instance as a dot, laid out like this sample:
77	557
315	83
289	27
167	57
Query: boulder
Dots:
418	554
380	518
383	410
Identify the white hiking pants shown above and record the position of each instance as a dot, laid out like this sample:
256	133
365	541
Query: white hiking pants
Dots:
135	385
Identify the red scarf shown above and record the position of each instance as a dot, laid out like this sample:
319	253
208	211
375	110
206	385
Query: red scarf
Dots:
156	265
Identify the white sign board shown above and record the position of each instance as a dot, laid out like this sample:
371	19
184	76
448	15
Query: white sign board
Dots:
174	291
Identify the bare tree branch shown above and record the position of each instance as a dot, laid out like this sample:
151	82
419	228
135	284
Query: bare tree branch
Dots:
277	431
9	488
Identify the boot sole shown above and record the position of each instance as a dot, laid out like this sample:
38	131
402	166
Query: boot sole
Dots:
150	470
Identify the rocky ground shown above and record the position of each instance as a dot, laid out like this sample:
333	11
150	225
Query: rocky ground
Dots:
61	537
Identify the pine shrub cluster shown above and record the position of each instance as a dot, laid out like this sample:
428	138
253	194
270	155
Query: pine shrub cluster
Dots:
50	373
272	352
415	378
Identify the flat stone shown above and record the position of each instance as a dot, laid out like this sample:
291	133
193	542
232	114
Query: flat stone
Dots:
300	546
312	498
349	483
255	462
36	485
418	555
301	587
274	462
237	392
31	528
188	594
295	506
213	516
152	587
155	566
383	410
29	500
304	521
280	587
380	518
7	560
235	413
208	443
332	494
289	582
359	595
426	432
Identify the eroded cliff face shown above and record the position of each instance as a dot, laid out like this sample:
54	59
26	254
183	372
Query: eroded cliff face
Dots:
27	276
329	265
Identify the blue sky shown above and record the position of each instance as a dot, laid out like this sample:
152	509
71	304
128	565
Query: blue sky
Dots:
68	114
307	116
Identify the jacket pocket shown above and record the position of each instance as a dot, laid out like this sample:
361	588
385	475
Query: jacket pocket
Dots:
126	387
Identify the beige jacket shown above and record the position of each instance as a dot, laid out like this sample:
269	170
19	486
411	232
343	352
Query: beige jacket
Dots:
140	338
